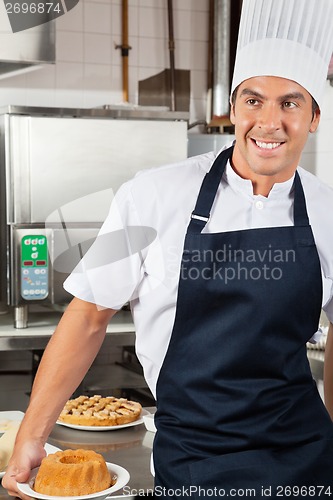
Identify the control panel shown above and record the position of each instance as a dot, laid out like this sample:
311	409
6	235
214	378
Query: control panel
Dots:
34	267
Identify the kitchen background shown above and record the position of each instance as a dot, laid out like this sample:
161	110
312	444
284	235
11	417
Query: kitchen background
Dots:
88	69
88	73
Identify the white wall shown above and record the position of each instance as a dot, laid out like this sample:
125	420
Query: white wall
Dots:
318	154
88	68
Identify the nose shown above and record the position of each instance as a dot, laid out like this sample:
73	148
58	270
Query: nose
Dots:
270	117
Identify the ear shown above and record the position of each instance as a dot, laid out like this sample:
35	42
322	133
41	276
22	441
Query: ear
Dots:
315	121
232	113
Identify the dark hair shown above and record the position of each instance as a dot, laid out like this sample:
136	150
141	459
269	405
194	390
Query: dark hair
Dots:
234	95
315	105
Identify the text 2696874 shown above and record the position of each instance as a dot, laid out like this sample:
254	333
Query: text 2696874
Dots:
303	491
34	7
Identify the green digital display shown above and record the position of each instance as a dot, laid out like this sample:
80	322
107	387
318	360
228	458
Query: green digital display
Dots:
34	267
34	251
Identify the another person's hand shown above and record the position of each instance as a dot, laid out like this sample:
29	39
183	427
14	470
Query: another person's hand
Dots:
25	457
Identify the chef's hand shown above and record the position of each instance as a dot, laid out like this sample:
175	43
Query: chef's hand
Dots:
25	457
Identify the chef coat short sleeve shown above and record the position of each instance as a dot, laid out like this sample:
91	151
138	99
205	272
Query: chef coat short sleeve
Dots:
122	262
325	251
328	307
319	201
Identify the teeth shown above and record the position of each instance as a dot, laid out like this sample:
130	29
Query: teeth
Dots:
268	145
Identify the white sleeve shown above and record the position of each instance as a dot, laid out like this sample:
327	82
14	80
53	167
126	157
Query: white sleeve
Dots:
111	271
328	307
319	200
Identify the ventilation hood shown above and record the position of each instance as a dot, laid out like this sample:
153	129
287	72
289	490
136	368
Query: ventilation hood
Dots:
27	49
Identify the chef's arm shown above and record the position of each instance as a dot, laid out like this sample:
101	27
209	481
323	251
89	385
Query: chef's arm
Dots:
66	359
328	371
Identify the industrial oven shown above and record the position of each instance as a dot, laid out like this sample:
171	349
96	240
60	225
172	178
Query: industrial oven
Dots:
58	171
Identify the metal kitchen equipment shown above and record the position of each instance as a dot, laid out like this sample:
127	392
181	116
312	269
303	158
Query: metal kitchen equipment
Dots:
27	49
58	171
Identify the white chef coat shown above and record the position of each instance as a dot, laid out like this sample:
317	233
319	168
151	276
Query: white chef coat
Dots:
163	198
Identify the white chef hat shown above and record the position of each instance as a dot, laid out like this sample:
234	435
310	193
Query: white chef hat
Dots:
291	39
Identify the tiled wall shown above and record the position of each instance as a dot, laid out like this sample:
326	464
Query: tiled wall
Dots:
88	68
318	155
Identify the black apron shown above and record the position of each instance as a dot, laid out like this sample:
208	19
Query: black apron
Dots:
237	407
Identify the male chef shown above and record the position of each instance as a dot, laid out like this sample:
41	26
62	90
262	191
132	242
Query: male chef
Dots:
229	293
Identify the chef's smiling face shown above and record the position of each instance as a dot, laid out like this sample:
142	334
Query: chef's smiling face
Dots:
272	118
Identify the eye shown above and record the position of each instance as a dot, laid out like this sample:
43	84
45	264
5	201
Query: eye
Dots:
289	105
252	102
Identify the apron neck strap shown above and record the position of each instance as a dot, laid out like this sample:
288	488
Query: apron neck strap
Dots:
201	213
300	213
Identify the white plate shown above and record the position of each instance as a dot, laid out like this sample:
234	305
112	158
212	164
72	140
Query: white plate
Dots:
122	479
48	448
6	416
106	427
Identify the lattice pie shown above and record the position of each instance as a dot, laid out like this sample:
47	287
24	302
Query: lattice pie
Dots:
99	411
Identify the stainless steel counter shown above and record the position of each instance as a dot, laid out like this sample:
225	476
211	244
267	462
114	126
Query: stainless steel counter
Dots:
130	447
120	331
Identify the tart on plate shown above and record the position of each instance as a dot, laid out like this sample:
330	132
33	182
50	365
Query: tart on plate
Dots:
100	411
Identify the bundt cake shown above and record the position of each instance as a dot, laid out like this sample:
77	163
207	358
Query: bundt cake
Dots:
72	473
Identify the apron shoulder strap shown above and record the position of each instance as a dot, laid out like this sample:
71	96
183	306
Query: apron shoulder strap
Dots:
207	193
300	212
